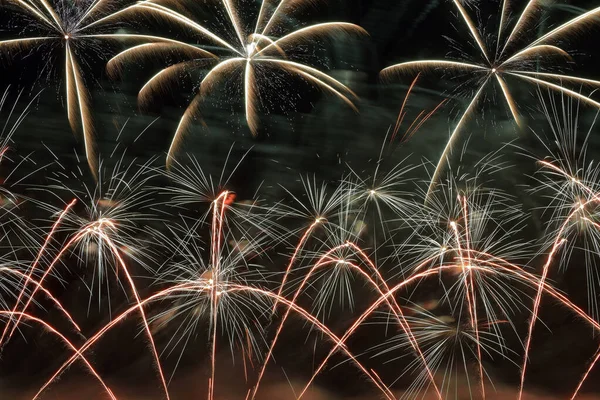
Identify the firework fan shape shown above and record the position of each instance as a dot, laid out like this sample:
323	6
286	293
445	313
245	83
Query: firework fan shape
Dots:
472	230
503	56
568	179
437	277
73	35
113	211
463	243
255	51
104	236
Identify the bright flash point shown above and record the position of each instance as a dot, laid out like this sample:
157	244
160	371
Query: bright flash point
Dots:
372	192
494	70
250	48
210	281
67	37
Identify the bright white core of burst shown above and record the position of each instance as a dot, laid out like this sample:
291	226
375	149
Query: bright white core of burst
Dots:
67	37
250	48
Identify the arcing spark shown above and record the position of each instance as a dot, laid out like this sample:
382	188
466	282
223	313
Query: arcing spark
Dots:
106	233
570	181
119	203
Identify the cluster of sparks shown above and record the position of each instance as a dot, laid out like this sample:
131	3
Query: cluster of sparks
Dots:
81	31
462	242
504	56
382	237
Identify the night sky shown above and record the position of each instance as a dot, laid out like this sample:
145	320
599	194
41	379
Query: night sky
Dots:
303	137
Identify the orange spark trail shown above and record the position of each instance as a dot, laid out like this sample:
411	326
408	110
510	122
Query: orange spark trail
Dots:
4	150
116	253
401	113
468	280
65	341
413	123
584	377
397	310
471	300
200	287
597	357
46	292
217	229
410	134
32	269
294	255
536	306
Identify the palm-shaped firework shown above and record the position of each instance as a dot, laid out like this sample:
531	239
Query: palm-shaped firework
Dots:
258	46
502	57
73	34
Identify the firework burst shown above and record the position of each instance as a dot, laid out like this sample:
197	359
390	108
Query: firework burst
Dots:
568	178
103	237
239	232
473	229
257	51
73	35
112	212
210	311
449	346
503	57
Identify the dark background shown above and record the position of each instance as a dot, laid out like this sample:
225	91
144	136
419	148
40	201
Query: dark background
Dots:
320	136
